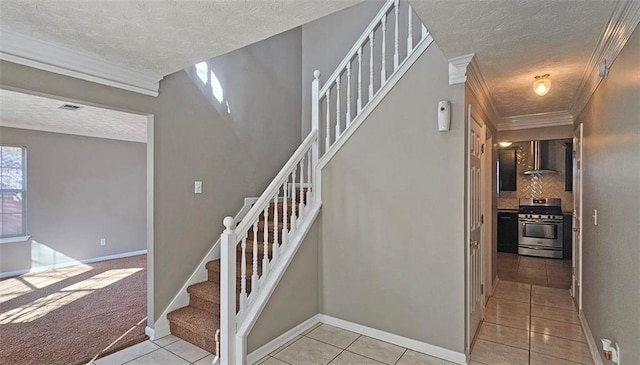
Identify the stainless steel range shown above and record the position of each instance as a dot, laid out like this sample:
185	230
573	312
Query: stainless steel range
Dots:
540	224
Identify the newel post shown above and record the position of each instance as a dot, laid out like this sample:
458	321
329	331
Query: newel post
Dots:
315	126
228	241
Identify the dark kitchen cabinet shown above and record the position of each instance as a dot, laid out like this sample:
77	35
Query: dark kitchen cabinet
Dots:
507	171
568	166
567	237
507	232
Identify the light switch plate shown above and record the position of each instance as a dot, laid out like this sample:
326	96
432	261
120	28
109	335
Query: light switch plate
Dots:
595	217
197	187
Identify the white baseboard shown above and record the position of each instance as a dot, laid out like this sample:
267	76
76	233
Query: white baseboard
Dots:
71	263
423	347
161	325
282	339
591	342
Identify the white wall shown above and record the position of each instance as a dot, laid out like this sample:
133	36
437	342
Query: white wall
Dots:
611	161
80	189
392	236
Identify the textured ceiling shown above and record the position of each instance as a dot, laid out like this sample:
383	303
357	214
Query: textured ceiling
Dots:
159	36
34	112
516	40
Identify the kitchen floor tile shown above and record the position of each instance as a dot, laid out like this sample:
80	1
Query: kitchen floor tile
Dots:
272	361
512	295
513	286
559	301
508	319
128	354
536	358
560	347
376	349
307	351
557	314
505	335
285	345
166	340
205	360
533	280
497	354
549	291
507	306
533	262
558	329
333	336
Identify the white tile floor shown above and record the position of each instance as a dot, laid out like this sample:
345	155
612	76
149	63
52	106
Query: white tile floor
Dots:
169	350
524	324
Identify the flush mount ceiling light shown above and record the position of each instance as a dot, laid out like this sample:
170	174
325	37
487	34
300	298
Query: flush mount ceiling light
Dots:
542	84
504	144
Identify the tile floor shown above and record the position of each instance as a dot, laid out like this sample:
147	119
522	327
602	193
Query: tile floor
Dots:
553	273
530	324
524	324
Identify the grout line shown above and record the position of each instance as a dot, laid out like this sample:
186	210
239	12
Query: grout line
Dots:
559	358
335	357
370	358
126	362
558	320
502	344
326	343
405	351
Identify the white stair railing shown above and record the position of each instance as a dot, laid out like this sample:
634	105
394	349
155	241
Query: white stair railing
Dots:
344	96
297	188
293	189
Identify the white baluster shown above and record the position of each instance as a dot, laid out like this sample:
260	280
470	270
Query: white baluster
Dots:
254	276
371	39
348	119
383	72
228	242
285	204
359	103
315	112
301	205
309	186
410	30
396	54
243	275
328	140
275	228
293	202
337	108
265	257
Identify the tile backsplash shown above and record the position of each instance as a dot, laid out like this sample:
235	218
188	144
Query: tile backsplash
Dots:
540	186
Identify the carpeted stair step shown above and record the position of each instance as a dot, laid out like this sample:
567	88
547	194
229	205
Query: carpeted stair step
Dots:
195	326
205	296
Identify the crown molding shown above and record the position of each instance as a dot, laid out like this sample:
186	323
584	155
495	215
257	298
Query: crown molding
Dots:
55	129
480	89
539	120
458	69
623	22
24	50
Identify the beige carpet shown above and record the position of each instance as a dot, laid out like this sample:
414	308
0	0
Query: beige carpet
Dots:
73	315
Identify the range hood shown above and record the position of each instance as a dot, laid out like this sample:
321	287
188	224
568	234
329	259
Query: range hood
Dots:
540	157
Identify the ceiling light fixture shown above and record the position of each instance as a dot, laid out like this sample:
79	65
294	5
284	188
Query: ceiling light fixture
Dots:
504	144
542	84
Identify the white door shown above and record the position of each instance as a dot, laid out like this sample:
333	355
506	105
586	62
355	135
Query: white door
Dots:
474	229
576	286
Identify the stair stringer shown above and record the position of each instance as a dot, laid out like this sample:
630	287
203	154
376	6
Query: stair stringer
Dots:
181	299
373	103
248	319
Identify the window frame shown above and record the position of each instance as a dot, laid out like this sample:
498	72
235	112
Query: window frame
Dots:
21	236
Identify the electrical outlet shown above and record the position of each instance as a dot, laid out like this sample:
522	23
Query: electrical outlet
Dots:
103	242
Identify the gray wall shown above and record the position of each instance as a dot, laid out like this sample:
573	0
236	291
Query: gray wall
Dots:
80	189
296	297
392	247
611	258
234	156
325	42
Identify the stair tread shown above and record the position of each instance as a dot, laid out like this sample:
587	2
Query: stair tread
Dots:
205	290
195	320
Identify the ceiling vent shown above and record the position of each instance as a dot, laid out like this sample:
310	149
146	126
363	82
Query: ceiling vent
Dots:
71	107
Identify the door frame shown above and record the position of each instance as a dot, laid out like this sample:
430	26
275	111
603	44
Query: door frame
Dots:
578	164
472	115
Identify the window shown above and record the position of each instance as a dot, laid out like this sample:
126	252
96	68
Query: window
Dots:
209	78
13	213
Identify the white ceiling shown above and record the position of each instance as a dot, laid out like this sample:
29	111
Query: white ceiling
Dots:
159	37
519	39
26	111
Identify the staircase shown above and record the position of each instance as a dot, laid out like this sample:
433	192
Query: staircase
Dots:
255	254
198	322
